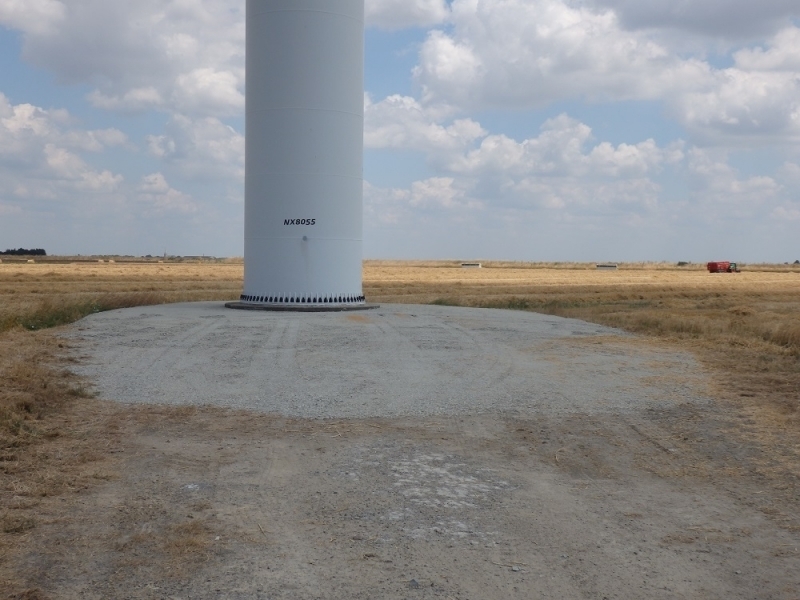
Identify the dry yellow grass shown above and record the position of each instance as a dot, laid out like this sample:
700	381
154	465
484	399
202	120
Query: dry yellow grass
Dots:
48	442
41	295
47	448
755	305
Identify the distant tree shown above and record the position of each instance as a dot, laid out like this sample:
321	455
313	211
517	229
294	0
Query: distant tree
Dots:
25	252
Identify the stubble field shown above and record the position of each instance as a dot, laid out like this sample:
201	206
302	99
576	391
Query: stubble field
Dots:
55	438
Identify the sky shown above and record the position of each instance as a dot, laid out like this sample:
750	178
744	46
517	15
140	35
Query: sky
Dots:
531	130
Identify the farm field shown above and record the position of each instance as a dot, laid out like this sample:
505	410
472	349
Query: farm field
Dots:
59	443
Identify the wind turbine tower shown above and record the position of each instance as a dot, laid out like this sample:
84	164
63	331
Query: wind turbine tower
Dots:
304	155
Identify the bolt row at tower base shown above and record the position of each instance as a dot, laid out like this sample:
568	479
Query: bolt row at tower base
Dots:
300	307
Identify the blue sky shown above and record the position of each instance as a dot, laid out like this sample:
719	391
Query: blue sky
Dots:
495	129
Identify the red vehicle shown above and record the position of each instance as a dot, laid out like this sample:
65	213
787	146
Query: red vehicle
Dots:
722	267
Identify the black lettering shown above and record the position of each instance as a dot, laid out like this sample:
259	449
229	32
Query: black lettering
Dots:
299	221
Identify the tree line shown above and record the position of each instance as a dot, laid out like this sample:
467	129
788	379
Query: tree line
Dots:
24	252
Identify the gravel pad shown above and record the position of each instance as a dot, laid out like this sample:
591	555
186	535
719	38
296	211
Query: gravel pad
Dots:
398	360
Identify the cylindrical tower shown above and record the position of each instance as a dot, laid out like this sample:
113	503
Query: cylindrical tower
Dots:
304	152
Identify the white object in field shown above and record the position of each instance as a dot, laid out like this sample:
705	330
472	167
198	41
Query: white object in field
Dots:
304	152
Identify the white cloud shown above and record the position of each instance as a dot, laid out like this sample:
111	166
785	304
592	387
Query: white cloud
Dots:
758	97
432	196
573	197
561	169
71	170
185	55
761	105
790	212
563	173
560	150
720	192
522	54
54	188
94	141
719	18
159	197
398	14
135	100
201	148
464	148
440	192
155	183
385	206
516	53
39	153
205	89
783	53
36	16
402	122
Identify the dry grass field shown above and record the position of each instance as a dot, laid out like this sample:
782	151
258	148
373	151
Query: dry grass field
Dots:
42	295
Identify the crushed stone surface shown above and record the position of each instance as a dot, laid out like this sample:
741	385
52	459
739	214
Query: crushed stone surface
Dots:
406	452
394	361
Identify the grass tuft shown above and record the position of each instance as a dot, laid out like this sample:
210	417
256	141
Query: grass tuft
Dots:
445	302
54	313
786	335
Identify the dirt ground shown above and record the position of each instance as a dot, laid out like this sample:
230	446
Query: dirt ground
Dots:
207	503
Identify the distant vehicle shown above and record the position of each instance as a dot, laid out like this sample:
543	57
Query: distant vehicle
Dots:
722	267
